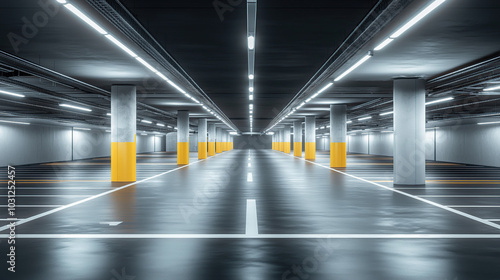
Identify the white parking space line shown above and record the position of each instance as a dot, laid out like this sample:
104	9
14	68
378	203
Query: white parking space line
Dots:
252	225
260	236
447	208
249	177
460	196
60	208
444	188
493	220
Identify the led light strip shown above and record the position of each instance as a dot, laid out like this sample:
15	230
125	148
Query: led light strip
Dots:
122	46
427	10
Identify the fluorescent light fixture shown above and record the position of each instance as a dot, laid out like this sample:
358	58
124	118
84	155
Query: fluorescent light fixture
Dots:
62	1
146	121
14	122
323	89
85	18
160	124
322	127
384	44
365	118
194	99
143	134
251	89
170	126
486	89
75	107
251	42
484	123
233	133
250	97
251	76
251	106
122	46
417	18
81	128
147	64
439	101
387	113
10	93
361	61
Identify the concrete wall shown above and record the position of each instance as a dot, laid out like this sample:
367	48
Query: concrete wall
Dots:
160	143
258	142
91	144
323	143
469	144
473	144
21	144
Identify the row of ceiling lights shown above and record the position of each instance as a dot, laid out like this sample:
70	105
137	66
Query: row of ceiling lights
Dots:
122	46
365	58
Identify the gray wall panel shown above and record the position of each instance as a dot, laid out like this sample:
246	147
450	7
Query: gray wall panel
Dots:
258	142
358	144
34	144
145	144
91	144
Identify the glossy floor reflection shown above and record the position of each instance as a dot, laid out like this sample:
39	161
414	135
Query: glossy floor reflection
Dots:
130	232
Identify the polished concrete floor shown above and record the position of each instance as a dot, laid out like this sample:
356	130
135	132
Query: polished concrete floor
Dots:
199	221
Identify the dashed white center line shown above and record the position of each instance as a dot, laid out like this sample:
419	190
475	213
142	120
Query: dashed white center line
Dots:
249	177
111	224
252	226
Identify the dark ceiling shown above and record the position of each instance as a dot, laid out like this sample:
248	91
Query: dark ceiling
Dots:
294	40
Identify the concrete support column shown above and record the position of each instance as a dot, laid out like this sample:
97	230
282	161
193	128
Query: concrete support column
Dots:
273	141
409	132
211	140
297	139
310	134
280	140
231	142
123	133
202	139
182	137
338	135
286	142
218	145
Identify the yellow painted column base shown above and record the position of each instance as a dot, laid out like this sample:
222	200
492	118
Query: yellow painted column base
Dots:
182	153
123	162
286	148
211	149
218	149
281	146
310	151
273	146
297	149
338	155
202	150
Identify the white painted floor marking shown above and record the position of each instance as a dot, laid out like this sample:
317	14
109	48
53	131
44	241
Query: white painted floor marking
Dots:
252	225
111	224
249	177
41	215
260	236
477	219
459	196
